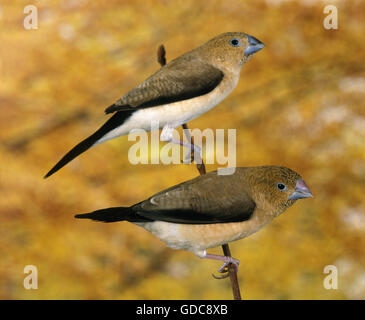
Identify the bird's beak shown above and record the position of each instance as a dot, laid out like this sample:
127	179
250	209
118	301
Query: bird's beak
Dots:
254	45
301	191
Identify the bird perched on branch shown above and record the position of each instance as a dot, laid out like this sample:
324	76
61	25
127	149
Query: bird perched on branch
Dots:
178	92
212	210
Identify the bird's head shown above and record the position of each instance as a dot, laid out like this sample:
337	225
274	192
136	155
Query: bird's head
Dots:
278	188
231	49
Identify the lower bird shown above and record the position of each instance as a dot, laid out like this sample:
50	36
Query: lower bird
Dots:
212	210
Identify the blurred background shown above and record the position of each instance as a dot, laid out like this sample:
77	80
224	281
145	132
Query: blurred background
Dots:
299	103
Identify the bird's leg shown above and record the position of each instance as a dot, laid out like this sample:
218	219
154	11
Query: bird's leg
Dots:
227	261
167	135
194	151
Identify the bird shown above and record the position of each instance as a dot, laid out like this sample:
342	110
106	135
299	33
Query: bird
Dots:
213	209
180	91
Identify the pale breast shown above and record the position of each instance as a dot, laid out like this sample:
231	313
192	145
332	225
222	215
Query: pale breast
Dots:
199	237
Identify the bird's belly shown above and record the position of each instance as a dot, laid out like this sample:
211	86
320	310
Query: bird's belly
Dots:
199	237
177	113
173	114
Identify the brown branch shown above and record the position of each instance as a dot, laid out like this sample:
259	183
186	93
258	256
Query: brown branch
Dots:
232	270
161	55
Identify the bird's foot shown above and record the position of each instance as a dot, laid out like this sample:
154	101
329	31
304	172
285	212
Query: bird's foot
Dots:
194	153
225	268
223	276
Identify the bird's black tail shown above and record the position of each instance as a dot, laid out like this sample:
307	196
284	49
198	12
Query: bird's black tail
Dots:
113	214
115	121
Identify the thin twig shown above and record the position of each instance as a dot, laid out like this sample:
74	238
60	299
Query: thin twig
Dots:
161	55
232	274
232	270
199	166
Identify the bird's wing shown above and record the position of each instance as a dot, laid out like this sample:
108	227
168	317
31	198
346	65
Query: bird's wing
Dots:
181	79
204	200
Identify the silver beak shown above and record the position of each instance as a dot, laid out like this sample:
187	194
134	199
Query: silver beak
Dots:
254	45
301	191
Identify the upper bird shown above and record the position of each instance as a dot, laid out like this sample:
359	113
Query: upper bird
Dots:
178	92
212	210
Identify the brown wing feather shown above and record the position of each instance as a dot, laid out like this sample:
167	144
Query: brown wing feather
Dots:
181	79
207	199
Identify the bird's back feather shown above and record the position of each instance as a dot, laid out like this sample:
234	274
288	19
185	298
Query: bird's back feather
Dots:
184	78
207	199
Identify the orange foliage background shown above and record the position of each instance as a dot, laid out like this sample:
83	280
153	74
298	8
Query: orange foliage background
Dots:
299	103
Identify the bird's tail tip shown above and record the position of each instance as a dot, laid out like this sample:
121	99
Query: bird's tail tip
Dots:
82	216
48	174
93	216
106	215
114	122
52	171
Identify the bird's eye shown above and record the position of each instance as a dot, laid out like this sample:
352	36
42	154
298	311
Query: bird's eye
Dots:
234	42
281	186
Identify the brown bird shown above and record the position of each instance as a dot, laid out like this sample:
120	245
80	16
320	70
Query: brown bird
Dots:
178	92
212	210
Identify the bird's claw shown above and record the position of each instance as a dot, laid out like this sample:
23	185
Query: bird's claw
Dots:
223	276
225	268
